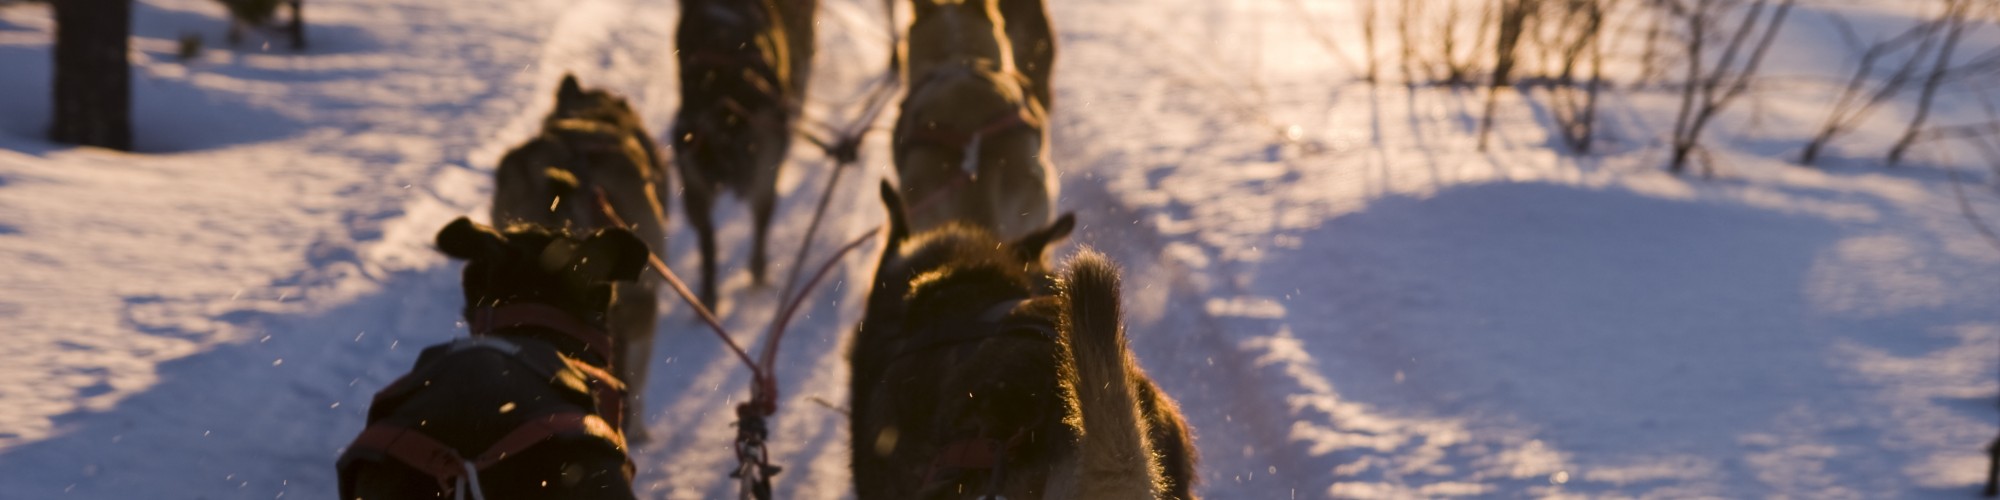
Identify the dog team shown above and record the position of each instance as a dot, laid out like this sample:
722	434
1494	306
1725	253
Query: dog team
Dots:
978	370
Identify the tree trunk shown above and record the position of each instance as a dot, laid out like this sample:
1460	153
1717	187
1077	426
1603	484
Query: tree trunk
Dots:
93	78
298	27
1513	18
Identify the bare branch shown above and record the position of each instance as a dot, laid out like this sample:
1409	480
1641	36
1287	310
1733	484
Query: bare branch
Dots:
1957	17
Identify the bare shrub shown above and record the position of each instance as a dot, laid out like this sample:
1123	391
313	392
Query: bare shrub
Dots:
1706	92
1368	37
1513	20
1863	95
1461	36
1957	18
1579	43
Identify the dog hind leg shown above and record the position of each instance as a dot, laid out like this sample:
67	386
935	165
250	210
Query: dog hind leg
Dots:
765	202
1034	44
700	204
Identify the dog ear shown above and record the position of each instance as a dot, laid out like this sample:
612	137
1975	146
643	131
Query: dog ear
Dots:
1031	247
569	90
899	219
612	255
464	240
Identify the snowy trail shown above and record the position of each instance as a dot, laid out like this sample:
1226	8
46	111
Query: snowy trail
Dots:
1367	308
1464	328
264	293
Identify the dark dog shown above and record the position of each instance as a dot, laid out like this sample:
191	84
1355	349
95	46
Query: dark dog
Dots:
974	374
592	144
523	409
244	14
971	144
744	67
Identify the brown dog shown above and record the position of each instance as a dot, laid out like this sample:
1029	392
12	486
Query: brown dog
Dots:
744	67
1033	40
975	374
971	144
592	143
523	409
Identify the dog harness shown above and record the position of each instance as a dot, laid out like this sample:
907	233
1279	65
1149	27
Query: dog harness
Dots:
755	68
967	145
456	471
979	452
966	141
998	320
587	141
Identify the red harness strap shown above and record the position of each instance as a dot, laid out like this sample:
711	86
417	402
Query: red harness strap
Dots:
970	453
608	390
486	320
444	463
605	389
954	139
974	453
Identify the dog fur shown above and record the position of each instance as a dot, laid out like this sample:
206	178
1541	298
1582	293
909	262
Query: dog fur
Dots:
1142	426
1079	412
1033	40
456	406
971	143
593	140
744	68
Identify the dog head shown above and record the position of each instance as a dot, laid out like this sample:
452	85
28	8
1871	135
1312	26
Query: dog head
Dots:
528	263
573	102
907	255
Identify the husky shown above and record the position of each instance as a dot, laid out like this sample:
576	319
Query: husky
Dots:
977	373
1033	40
971	144
247	14
744	66
524	408
593	144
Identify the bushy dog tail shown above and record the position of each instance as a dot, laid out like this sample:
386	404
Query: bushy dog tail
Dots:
1113	459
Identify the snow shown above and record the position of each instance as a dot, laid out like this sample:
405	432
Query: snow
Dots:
1348	298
